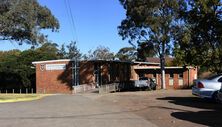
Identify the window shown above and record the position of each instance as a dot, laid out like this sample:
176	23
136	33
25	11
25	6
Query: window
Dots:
141	74
180	75
154	75
171	82
214	76
171	75
220	79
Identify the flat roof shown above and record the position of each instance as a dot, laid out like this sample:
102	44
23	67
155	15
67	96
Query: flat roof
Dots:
147	63
68	60
51	61
151	68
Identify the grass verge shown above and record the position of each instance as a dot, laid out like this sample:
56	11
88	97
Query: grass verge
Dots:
7	98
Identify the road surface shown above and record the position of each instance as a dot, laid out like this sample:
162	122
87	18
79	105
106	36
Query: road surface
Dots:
68	111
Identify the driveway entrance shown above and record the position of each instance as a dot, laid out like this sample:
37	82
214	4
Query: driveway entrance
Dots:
68	111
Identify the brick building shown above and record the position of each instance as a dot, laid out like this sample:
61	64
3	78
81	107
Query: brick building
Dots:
61	76
175	77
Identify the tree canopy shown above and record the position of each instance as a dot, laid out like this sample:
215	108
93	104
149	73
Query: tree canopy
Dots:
69	51
22	21
16	69
100	53
73	51
145	49
151	21
127	54
200	40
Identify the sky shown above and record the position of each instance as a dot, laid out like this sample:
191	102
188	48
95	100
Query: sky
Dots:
95	22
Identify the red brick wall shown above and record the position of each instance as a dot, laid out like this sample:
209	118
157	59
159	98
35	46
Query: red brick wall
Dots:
60	81
176	72
53	81
86	73
105	73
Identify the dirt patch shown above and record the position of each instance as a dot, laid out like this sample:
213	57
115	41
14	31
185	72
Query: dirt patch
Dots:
169	108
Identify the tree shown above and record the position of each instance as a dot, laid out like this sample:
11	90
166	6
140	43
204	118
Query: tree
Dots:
49	51
127	54
62	54
144	50
151	21
101	53
8	74
73	51
201	41
5	54
16	69
22	21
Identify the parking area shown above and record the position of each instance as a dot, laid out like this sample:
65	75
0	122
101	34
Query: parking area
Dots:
169	108
68	111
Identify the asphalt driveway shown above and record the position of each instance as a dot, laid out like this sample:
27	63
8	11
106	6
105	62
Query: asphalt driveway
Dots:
169	108
68	111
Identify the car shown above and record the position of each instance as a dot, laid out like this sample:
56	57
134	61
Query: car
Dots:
145	83
208	88
219	95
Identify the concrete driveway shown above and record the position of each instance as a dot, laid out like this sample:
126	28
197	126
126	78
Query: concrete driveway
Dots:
68	111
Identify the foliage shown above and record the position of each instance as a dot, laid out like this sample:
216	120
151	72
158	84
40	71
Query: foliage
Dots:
16	69
127	54
144	50
201	41
101	53
22	21
73	51
151	21
62	54
48	51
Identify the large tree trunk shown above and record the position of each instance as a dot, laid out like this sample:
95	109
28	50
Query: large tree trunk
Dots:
162	64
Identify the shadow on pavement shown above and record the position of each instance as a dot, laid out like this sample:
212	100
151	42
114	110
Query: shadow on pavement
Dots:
210	114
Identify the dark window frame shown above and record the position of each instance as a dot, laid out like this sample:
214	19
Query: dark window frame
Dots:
180	75
172	75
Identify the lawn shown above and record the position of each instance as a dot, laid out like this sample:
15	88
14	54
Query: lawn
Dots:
4	98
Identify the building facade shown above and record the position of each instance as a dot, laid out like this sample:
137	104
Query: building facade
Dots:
175	77
62	76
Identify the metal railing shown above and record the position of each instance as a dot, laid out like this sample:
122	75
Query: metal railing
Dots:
17	91
108	88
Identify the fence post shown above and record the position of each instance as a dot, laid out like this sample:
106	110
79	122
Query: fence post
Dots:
6	91
20	91
26	90
13	91
32	90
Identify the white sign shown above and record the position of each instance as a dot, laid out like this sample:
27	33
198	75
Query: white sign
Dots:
55	66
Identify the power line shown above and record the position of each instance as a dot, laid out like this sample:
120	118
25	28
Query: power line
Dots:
71	20
68	15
